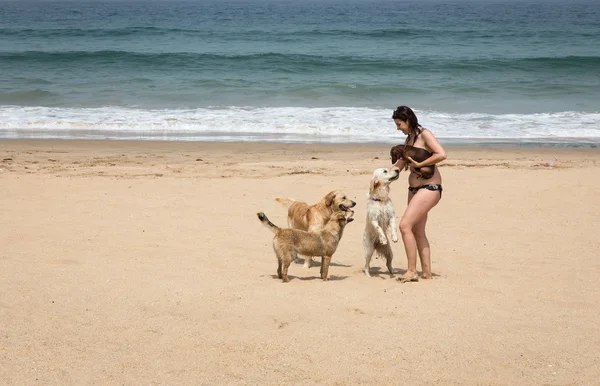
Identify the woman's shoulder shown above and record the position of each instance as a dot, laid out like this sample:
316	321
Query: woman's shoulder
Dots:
431	142
427	134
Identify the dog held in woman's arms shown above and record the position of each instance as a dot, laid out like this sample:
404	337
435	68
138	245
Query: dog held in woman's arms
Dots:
381	219
417	154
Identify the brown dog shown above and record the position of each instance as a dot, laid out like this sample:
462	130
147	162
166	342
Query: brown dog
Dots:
288	242
416	153
314	217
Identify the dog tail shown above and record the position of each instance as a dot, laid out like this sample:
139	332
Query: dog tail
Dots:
285	201
266	222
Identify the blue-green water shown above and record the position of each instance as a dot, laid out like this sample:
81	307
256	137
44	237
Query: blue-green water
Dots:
311	71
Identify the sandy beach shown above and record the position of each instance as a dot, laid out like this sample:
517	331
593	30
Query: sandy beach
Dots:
144	263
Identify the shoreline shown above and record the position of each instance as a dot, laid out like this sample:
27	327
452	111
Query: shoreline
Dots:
534	145
210	159
293	139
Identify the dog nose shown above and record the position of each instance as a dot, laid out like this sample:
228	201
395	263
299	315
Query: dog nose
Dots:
353	204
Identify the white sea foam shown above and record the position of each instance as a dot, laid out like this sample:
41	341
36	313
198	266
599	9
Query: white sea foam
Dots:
285	124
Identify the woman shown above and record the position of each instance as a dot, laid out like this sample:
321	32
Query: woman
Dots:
423	194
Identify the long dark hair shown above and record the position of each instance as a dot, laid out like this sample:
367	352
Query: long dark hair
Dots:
405	114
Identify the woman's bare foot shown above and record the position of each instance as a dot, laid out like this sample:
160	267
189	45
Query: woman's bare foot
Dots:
426	276
408	277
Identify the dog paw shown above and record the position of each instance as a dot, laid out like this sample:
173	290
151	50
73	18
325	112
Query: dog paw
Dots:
395	238
383	240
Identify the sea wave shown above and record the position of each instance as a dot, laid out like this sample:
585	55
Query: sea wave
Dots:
353	125
25	97
296	32
305	62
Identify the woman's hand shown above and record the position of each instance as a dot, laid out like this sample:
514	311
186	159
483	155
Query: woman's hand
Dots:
413	163
399	166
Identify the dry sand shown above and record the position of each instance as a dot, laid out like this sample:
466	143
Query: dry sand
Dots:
144	263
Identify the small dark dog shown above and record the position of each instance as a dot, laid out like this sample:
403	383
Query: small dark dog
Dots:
416	153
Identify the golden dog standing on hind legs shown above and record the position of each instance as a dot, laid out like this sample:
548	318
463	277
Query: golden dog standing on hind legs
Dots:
314	217
288	242
381	219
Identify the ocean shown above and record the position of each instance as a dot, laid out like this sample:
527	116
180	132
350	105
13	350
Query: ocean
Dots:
476	72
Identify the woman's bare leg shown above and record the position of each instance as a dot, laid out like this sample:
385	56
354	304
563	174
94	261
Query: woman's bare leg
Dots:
423	247
416	214
410	245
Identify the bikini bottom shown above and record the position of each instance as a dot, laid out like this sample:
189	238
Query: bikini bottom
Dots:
432	187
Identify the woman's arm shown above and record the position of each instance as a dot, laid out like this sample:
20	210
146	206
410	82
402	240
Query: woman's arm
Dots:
437	150
400	165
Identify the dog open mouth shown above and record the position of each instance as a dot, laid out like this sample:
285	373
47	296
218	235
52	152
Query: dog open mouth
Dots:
344	208
350	214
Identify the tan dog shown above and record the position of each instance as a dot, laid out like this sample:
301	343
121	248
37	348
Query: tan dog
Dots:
288	242
313	217
381	218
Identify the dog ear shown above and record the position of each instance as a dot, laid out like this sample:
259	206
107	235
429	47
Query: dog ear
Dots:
396	154
393	155
375	184
329	198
